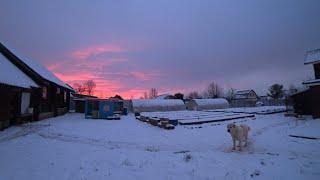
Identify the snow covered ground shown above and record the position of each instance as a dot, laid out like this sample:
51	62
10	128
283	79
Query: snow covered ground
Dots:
71	147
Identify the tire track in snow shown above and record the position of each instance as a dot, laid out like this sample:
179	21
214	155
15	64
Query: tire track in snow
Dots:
260	131
26	130
119	145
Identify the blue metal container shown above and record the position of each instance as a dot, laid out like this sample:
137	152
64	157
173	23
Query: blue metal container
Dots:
98	108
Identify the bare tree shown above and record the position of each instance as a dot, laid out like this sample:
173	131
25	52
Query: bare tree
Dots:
231	94
89	85
79	88
194	95
214	90
145	95
153	93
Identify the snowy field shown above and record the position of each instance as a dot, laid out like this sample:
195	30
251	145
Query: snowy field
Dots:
71	147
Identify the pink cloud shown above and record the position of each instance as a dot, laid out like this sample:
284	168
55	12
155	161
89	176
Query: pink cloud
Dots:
140	75
95	50
75	77
82	66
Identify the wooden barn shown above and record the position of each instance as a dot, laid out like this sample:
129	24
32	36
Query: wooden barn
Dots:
15	94
51	97
308	102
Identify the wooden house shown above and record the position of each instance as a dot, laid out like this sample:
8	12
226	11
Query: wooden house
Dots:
245	98
308	102
51	98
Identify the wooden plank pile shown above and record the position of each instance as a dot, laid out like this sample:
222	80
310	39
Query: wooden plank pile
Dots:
159	122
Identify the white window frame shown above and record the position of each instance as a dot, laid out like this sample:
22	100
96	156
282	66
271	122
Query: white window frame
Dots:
64	96
44	92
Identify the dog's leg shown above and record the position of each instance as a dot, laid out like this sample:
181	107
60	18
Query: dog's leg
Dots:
234	144
246	143
240	145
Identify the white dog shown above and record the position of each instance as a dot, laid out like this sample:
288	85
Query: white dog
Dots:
238	133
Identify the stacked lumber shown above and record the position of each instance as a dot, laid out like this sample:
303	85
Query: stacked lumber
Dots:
163	123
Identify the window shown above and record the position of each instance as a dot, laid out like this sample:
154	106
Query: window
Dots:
64	96
58	90
25	102
44	92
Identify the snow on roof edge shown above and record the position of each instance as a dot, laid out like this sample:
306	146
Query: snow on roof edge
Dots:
38	68
12	75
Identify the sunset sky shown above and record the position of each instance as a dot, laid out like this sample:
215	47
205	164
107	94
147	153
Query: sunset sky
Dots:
128	47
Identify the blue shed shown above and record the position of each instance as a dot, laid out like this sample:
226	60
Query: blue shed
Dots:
102	109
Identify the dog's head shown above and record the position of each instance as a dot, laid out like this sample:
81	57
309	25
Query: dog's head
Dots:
231	126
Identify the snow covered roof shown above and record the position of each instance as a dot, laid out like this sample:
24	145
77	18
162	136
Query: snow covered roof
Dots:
312	82
39	69
312	57
12	75
242	94
156	102
216	101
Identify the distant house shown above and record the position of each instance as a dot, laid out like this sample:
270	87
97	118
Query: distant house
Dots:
245	98
51	97
308	101
207	104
